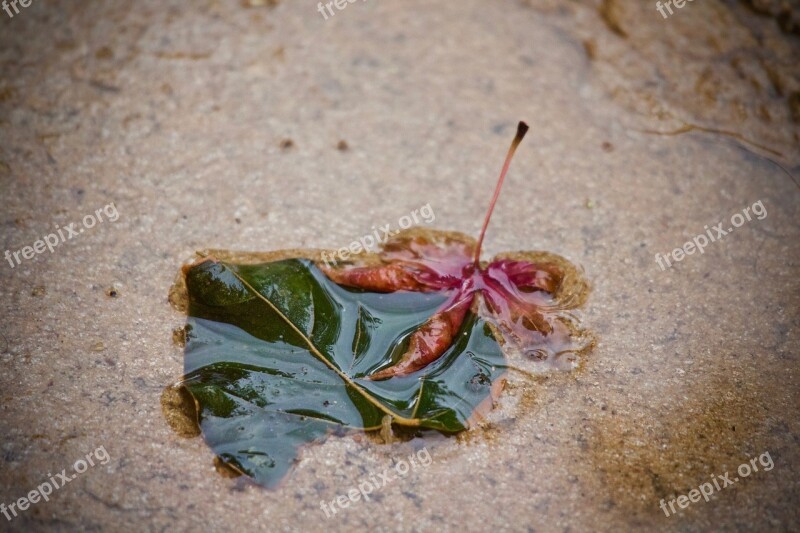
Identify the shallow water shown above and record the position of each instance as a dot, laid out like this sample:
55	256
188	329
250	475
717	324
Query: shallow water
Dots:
180	115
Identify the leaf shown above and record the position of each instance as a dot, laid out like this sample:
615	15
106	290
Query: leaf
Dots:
277	354
284	348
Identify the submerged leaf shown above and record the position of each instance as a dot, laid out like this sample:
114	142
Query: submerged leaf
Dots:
283	349
277	355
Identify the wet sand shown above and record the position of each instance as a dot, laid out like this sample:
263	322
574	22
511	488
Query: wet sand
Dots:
219	125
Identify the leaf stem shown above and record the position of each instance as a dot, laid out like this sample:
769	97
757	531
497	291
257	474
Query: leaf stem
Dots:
522	129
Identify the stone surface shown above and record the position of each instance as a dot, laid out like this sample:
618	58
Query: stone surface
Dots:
219	124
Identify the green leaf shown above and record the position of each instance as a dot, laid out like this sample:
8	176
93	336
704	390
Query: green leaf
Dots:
276	357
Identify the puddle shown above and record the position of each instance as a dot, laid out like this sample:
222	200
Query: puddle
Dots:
259	360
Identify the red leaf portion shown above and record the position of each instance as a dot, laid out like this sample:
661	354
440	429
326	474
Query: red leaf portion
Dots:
409	262
383	278
444	258
525	276
518	296
432	338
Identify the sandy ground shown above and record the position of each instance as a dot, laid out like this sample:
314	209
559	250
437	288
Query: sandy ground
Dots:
181	115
